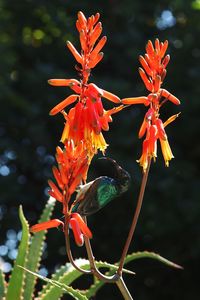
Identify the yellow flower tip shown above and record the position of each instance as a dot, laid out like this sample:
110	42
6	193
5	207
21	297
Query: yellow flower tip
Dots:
167	163
166	151
143	163
171	119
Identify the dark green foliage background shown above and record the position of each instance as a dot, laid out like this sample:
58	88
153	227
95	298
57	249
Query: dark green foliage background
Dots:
32	50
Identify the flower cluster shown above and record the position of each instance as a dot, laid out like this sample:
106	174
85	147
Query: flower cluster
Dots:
86	120
72	170
82	135
154	65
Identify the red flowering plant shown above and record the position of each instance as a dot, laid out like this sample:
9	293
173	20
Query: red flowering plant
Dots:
153	73
72	170
86	120
82	137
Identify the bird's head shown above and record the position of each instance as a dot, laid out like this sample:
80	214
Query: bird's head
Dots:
119	174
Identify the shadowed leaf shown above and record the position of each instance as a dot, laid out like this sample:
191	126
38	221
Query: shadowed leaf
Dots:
16	283
35	251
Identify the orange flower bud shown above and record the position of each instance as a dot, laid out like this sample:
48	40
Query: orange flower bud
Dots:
78	26
63	82
58	178
146	81
164	72
95	34
75	53
46	225
163	48
96	60
145	65
60	106
157	83
56	192
59	154
143	128
90	22
166	60
111	97
98	47
170	97
96	18
136	100
82	20
83	40
150	49
157	46
104	123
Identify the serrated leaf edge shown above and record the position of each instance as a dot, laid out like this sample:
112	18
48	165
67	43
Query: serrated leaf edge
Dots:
25	228
49	206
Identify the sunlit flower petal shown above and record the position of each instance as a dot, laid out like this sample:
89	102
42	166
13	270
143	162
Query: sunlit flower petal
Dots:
78	236
46	225
166	151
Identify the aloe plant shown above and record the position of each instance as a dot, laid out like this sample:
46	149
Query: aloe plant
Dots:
21	285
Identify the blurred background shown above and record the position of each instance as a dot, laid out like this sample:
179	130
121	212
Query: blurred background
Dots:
32	50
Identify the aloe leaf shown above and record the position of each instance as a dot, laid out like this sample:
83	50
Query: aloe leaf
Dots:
67	274
55	276
16	283
131	257
60	286
153	255
95	287
35	250
2	285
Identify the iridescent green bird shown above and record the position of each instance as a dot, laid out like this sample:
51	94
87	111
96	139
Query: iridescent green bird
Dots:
96	194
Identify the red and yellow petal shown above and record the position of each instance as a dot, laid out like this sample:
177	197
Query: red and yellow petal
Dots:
166	151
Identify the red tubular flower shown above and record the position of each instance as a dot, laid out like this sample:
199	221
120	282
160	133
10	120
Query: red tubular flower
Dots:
46	225
71	171
153	72
86	121
79	228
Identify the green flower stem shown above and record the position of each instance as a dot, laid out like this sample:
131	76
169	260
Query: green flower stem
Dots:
123	289
135	218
